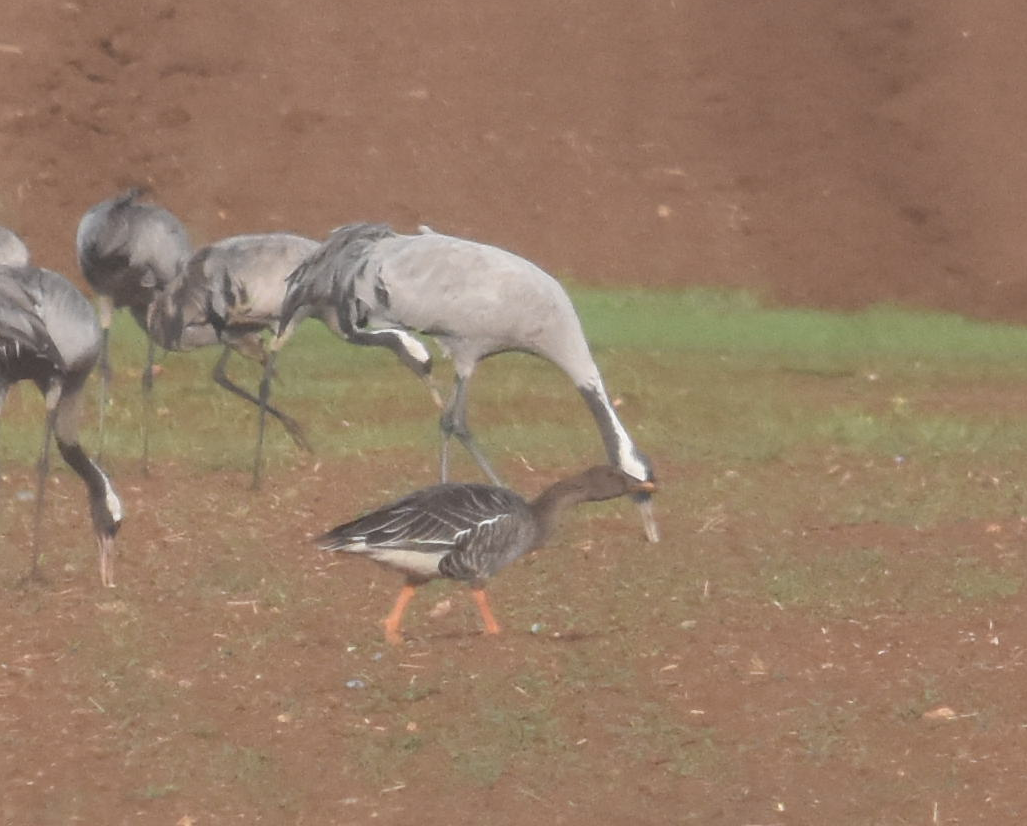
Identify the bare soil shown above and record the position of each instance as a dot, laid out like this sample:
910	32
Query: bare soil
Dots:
821	152
830	154
237	675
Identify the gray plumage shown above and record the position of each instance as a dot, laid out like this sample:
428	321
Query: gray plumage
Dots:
407	348
138	255
128	251
476	301
229	293
468	532
13	252
49	334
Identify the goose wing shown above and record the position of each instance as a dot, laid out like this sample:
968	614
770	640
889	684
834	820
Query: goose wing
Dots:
457	531
438	518
484	549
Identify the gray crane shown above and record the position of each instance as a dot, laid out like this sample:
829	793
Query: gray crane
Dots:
49	334
13	252
467	532
229	293
233	290
128	251
138	255
475	300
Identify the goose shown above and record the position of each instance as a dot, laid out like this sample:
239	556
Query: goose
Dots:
467	532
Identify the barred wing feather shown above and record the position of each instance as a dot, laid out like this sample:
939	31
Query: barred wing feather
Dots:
325	278
439	518
486	548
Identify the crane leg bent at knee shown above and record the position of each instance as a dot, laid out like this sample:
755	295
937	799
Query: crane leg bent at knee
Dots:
291	426
3	397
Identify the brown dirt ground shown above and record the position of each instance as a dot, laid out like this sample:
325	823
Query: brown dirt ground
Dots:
818	152
825	153
214	685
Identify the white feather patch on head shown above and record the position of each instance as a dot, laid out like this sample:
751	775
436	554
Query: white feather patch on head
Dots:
630	463
111	498
628	459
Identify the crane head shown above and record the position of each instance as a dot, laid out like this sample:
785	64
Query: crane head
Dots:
107	514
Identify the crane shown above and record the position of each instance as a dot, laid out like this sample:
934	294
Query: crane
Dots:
229	293
128	251
475	300
49	334
138	255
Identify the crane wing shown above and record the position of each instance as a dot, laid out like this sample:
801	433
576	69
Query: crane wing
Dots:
325	278
21	322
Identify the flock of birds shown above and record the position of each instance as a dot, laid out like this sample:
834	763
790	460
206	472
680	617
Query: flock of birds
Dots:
368	284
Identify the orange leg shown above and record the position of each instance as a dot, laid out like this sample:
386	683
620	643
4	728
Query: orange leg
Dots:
392	621
482	601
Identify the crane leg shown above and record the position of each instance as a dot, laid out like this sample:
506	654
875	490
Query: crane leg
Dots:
106	314
3	395
105	385
148	403
106	547
264	394
454	423
291	426
42	471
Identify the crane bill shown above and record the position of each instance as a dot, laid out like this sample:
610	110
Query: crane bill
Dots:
436	397
645	508
105	543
